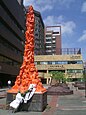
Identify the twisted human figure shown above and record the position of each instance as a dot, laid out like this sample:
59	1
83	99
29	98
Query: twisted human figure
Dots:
28	73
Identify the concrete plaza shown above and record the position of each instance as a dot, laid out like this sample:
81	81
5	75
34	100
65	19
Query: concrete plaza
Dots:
57	105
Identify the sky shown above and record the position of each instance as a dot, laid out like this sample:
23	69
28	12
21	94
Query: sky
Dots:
70	14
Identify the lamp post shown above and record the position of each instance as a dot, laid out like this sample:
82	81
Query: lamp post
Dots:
51	79
84	73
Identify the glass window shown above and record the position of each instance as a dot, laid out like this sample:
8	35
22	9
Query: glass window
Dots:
75	71
75	62
56	62
79	71
79	62
45	62
53	62
41	62
59	62
71	71
35	62
64	62
38	62
49	62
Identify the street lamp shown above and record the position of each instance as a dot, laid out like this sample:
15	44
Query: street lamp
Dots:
51	79
84	73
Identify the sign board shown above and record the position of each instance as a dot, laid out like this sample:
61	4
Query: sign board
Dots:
57	67
75	57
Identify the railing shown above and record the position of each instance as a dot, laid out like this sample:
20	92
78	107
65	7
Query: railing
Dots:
69	51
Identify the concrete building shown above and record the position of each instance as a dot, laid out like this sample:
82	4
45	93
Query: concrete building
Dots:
39	34
39	48
70	64
53	40
20	2
12	27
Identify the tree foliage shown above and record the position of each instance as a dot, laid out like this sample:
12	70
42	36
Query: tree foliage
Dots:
57	75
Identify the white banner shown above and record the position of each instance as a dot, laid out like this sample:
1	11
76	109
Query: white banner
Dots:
19	99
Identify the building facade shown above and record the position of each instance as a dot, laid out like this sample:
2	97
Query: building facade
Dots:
39	34
12	27
70	64
39	44
53	40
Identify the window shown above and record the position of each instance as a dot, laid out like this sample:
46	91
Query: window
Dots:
74	62
8	61
79	62
49	62
75	71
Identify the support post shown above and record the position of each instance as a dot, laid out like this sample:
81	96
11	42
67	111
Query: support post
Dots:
84	73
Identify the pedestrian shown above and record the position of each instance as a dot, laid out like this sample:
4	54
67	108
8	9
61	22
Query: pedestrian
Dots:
9	83
0	84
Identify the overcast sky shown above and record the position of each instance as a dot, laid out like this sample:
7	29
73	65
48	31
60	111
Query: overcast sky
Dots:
70	14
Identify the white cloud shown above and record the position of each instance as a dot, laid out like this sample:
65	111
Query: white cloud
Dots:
40	5
50	20
83	9
67	27
53	20
65	45
66	3
83	37
43	5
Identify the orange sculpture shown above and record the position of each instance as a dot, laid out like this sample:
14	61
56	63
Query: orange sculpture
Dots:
28	72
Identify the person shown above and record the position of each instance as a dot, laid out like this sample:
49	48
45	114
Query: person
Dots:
0	84
9	83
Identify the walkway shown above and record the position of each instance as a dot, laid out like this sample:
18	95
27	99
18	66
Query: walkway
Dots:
72	105
63	105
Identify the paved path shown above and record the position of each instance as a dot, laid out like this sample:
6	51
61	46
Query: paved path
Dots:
72	104
57	105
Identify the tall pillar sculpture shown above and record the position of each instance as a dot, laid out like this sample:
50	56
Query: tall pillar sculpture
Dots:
28	72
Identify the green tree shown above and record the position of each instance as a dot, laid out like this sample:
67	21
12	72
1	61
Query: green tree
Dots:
84	76
58	76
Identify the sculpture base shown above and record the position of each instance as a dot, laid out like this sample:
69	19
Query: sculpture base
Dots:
37	103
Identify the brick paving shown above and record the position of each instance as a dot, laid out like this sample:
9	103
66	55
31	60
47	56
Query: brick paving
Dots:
57	105
52	105
72	105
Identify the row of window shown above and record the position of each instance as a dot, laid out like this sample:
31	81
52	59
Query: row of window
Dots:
75	71
9	46
58	62
11	16
9	61
2	23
